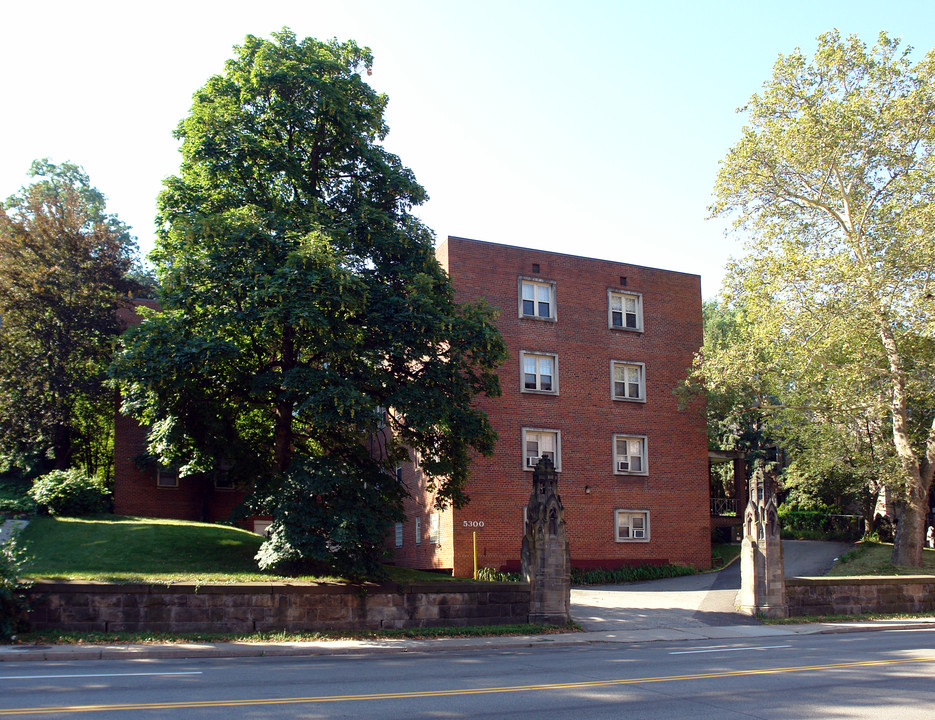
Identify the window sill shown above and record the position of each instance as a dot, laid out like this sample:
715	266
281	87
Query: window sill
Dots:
537	317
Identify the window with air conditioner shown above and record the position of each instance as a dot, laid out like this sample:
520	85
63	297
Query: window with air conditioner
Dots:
632	525
630	455
538	444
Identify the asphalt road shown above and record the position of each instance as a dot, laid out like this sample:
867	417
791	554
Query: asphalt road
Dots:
865	675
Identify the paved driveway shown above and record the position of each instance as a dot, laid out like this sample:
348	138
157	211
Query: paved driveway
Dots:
691	601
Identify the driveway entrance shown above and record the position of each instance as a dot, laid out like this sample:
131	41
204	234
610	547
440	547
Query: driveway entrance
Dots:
690	601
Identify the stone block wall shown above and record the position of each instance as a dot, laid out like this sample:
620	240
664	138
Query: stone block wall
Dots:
250	607
856	595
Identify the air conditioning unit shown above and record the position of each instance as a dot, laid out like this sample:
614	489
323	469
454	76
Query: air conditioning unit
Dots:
622	465
532	461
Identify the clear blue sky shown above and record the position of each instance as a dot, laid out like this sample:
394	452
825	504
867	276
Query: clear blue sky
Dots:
593	128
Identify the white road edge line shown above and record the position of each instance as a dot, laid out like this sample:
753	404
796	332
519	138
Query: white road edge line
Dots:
95	675
729	649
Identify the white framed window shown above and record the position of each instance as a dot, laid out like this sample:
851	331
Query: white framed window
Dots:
399	534
539	372
624	310
418	531
537	299
628	380
632	525
399	472
433	528
541	443
630	455
167	477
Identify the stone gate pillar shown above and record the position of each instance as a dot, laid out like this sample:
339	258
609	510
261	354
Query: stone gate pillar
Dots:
546	554
763	582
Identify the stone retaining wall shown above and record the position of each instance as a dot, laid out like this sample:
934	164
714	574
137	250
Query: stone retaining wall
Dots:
856	595
249	607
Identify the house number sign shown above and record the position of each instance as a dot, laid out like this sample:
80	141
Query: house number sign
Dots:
474	523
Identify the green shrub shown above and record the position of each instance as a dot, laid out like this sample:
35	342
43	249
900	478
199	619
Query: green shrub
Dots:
490	575
626	573
14	497
70	492
818	524
13	605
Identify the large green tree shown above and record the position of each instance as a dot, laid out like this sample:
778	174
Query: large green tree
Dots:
308	335
833	185
63	274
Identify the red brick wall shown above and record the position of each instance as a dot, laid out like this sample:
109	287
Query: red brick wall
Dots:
675	490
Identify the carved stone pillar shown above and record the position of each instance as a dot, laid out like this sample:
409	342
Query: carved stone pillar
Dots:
763	582
546	554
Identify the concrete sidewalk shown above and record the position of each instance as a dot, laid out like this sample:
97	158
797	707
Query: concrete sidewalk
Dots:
721	634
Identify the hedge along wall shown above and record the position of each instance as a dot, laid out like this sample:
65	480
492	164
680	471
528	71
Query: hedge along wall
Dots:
249	607
856	595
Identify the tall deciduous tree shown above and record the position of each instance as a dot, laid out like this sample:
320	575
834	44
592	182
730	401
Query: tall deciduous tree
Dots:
833	182
308	334
63	270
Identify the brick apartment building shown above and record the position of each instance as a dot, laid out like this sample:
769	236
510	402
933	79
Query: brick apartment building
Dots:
596	349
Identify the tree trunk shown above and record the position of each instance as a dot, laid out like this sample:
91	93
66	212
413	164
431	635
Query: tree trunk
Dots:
913	503
910	531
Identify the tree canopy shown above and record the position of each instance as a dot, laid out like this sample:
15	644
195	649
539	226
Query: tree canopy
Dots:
833	185
308	337
64	264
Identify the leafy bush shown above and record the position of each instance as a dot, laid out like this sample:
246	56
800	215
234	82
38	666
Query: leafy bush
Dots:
70	492
13	606
819	524
626	573
14	497
490	575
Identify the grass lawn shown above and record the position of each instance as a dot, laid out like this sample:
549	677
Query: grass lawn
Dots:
723	553
114	548
871	558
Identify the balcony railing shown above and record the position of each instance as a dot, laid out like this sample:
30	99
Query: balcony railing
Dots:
725	507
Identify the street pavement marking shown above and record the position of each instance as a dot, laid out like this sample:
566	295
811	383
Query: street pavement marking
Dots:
728	649
96	675
450	693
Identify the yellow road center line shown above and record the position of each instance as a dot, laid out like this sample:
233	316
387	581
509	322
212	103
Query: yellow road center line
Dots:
450	693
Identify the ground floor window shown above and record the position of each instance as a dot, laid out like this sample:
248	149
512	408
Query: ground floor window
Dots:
418	531
399	534
433	528
167	477
632	525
